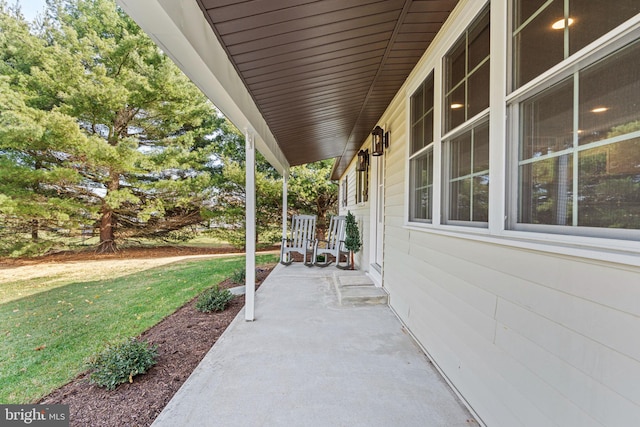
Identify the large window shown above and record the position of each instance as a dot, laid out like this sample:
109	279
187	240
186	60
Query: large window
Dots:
466	153
345	192
421	158
547	32
466	68
578	161
467	168
362	185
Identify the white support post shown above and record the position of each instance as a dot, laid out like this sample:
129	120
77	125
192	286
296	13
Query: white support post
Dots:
250	227
285	179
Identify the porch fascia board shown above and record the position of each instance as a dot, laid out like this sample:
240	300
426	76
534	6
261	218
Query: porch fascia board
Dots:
180	29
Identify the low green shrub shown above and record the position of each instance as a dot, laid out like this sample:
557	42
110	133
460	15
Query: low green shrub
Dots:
119	363
213	299
239	276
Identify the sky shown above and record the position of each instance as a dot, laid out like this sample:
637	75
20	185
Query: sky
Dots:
30	8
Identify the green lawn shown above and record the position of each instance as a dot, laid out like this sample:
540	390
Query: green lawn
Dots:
45	338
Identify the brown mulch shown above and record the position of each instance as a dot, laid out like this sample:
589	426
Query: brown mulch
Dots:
183	339
125	253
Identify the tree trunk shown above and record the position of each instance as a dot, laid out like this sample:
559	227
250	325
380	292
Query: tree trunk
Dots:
107	237
34	230
108	221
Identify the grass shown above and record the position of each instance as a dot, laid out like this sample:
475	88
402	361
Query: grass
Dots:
46	338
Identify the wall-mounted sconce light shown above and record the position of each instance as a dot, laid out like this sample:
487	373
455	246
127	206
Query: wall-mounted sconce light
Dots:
380	141
363	161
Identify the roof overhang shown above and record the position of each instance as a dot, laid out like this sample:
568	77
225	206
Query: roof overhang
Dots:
311	78
181	31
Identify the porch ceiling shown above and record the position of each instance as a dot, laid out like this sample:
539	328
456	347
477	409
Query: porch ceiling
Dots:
323	72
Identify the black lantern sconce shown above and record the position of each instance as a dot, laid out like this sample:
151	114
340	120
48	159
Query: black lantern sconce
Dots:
363	161
380	141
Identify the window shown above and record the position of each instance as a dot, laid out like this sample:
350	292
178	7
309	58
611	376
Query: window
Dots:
547	32
345	192
578	160
466	153
421	158
362	185
467	169
466	68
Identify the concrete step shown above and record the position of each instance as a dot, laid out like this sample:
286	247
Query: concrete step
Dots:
355	288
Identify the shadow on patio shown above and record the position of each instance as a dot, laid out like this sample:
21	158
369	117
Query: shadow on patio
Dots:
309	361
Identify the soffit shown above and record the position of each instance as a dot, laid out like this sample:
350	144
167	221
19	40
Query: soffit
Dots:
323	72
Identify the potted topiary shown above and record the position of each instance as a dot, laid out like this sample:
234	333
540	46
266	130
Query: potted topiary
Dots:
352	240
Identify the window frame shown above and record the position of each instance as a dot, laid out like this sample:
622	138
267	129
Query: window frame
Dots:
345	191
448	128
567	69
469	124
424	151
362	186
479	120
568	56
605	249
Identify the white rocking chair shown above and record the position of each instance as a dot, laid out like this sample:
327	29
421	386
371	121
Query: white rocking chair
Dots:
301	240
333	244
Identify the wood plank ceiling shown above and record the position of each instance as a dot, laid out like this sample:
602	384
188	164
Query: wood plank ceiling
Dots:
323	72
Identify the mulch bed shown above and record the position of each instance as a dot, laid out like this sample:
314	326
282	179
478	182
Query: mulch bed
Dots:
183	340
124	253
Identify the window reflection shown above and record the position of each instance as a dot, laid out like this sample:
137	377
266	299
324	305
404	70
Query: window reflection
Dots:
421	163
609	186
546	191
467	74
610	96
469	175
537	45
579	162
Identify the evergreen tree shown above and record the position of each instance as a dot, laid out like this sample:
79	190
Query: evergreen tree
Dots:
99	129
147	170
38	149
352	240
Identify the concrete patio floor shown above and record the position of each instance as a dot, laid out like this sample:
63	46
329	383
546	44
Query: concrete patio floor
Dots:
308	361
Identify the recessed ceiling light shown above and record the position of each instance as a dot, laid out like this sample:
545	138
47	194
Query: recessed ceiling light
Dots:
560	24
456	106
599	110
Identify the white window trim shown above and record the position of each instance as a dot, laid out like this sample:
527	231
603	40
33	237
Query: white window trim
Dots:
599	48
571	66
468	126
596	248
421	153
459	20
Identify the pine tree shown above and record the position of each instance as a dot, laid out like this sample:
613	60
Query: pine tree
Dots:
146	170
352	240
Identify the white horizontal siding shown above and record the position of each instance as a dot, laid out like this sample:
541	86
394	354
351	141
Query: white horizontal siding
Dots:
581	278
584	392
457	298
449	341
593	359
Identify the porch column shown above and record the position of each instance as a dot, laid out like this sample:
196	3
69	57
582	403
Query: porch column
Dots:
250	226
285	179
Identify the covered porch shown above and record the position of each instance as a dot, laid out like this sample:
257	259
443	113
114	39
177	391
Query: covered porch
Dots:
305	81
310	361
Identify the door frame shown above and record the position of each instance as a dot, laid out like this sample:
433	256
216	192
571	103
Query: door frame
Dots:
376	215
